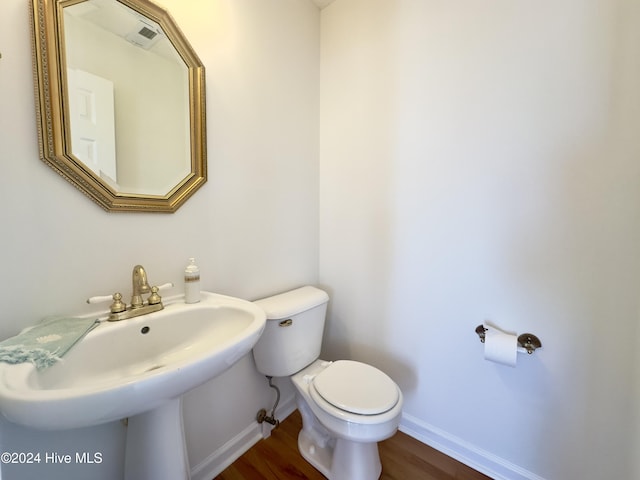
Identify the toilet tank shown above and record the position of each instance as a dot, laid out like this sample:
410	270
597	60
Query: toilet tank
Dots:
293	335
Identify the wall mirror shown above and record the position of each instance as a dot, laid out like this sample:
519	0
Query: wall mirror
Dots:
120	102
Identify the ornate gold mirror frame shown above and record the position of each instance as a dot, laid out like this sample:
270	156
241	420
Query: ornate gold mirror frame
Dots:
52	108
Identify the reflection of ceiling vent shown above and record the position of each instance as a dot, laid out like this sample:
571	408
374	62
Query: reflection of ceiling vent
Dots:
144	36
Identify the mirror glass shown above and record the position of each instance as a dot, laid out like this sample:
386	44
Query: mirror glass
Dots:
121	102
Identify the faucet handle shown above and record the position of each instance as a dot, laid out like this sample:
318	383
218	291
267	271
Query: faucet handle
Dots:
99	299
154	298
165	286
118	305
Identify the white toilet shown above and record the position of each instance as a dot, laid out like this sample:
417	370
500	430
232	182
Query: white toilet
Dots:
347	407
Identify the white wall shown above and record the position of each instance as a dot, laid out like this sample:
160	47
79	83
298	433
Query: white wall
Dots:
253	227
479	161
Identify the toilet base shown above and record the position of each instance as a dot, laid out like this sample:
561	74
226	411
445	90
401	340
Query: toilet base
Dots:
316	455
355	461
335	458
347	460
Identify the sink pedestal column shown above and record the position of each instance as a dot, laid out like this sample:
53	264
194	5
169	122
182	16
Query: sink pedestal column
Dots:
155	448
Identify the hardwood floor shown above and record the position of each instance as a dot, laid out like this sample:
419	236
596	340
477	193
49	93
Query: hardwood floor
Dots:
403	458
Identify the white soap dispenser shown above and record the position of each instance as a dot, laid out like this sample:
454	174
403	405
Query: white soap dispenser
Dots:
192	282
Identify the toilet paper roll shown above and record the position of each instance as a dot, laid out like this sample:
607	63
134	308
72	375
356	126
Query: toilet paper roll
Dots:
500	347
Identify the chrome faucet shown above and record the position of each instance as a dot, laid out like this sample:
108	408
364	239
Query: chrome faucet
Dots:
120	311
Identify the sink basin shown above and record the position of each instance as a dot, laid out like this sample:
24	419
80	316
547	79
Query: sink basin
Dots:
124	368
133	367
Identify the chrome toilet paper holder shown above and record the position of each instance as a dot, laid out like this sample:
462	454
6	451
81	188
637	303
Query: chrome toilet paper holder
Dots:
528	341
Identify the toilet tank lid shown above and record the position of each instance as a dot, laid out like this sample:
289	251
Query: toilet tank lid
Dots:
292	302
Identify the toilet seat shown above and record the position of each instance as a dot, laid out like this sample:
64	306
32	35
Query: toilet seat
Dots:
356	388
341	423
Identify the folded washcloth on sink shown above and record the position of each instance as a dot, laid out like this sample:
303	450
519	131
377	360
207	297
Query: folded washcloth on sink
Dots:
44	344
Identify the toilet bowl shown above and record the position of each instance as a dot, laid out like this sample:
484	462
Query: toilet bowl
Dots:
347	407
342	422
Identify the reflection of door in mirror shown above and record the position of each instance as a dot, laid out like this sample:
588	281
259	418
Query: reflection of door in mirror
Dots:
151	92
92	123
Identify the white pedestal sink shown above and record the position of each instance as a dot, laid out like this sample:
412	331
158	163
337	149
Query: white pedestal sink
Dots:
148	458
136	369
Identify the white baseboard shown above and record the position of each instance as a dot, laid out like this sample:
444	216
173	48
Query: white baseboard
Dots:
476	458
218	461
215	463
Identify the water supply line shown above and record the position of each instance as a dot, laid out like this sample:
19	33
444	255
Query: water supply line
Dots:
262	414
